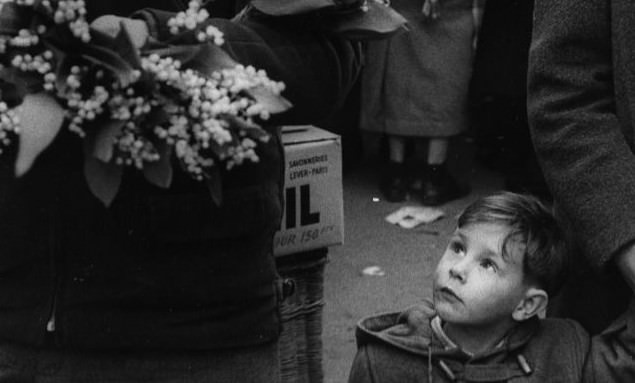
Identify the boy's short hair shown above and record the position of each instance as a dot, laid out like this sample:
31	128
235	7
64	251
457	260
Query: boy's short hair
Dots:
534	226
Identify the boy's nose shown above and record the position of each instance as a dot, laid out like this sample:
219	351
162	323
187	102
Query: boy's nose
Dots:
457	272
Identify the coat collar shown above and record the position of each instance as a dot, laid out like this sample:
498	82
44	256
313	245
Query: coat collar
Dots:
417	331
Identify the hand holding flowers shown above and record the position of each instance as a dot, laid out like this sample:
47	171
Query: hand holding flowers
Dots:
135	101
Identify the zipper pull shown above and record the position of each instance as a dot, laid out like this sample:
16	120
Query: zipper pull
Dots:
447	370
50	325
524	365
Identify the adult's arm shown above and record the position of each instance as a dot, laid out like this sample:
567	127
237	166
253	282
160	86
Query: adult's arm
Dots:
318	68
610	355
575	127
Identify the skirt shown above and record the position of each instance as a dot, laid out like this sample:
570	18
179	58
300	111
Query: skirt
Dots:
416	84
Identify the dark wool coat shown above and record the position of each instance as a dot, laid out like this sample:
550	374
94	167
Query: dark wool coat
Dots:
406	348
581	100
500	62
416	84
162	269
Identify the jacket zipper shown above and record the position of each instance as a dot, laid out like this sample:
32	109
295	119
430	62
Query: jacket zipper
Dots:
50	324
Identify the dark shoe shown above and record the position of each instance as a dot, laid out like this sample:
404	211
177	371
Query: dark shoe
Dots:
394	184
416	176
440	187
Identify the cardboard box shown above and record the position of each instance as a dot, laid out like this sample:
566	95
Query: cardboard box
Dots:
314	207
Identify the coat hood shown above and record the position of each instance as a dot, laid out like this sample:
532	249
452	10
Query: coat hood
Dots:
414	330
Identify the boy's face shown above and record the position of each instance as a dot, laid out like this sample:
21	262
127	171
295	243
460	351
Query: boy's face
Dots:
473	284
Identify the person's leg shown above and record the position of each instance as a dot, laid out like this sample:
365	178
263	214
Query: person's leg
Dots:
416	164
396	149
439	186
437	150
394	184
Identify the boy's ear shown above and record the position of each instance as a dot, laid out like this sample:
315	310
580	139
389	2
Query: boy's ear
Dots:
534	302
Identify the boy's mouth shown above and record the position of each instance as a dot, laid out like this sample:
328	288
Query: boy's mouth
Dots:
447	292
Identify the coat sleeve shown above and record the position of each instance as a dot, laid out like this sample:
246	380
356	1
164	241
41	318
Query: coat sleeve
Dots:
319	69
575	128
611	356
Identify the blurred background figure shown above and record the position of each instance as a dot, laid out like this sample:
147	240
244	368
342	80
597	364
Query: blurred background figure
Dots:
415	91
498	96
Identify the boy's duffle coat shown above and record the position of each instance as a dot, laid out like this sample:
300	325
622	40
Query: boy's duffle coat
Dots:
409	347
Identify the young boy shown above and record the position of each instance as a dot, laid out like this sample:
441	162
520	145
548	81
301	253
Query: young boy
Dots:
504	260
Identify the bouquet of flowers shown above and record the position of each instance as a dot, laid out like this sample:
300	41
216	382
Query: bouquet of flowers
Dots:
148	107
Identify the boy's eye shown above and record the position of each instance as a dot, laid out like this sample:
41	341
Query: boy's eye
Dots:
457	247
489	264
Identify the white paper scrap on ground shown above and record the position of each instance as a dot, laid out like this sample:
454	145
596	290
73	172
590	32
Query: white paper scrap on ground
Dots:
409	217
374	271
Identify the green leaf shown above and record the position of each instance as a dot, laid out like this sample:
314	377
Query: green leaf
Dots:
252	130
11	93
101	137
102	38
219	151
214	182
160	173
103	178
24	82
109	59
274	103
182	53
203	58
41	118
119	33
62	71
126	47
101	52
209	58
